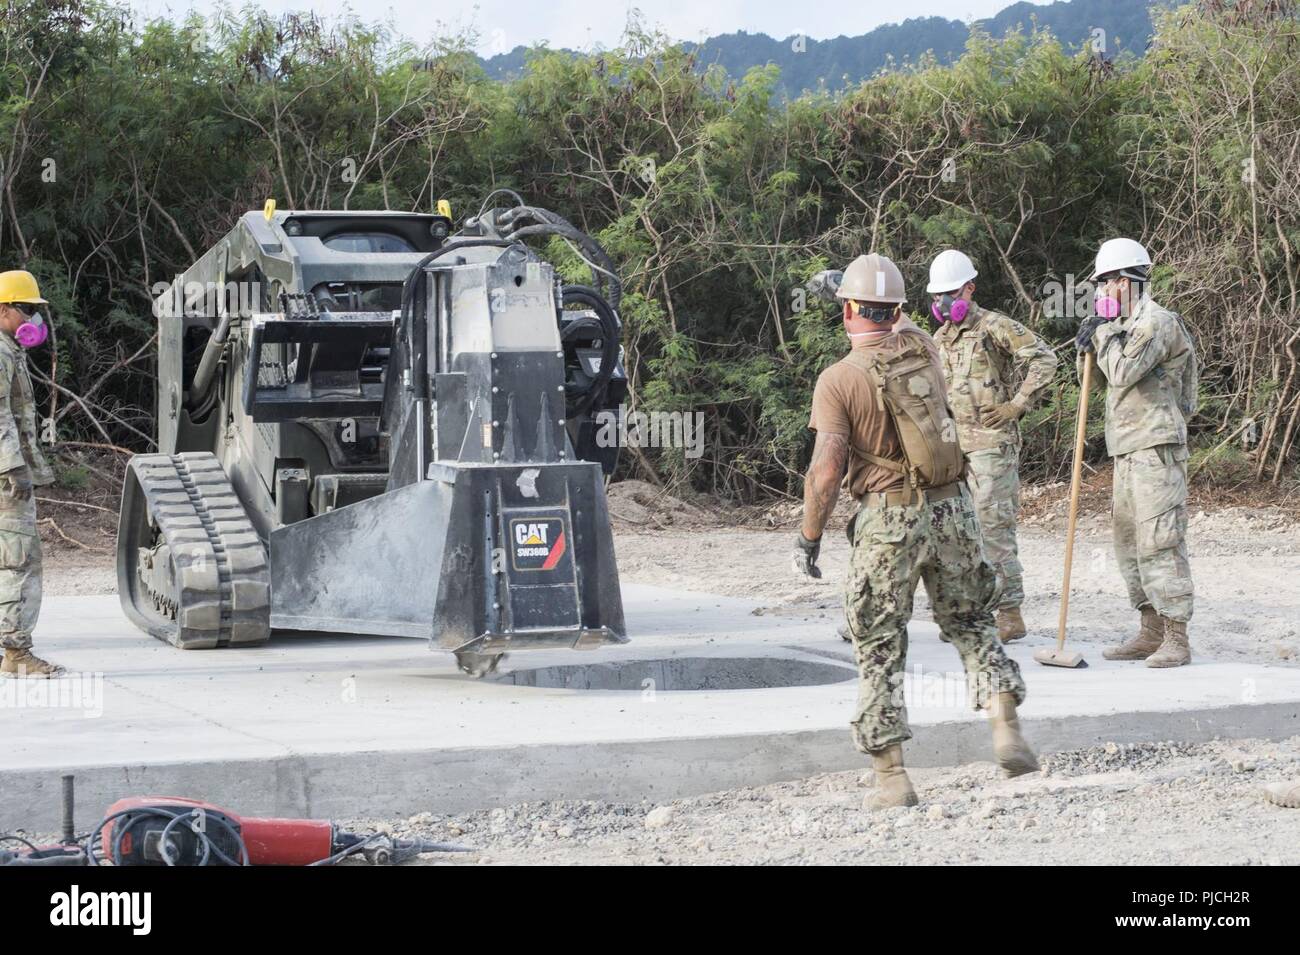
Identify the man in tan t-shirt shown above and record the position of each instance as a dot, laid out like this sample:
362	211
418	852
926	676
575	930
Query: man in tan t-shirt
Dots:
901	535
843	403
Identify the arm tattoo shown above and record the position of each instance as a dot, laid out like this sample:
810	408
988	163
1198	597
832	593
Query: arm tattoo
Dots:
821	486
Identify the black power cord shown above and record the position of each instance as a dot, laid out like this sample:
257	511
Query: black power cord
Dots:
93	851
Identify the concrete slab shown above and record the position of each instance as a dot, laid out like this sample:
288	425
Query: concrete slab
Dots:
347	726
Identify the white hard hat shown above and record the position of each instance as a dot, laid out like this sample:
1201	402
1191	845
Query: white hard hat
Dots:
949	271
1116	255
872	278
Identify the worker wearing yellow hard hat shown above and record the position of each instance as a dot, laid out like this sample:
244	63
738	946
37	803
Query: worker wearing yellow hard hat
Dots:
22	468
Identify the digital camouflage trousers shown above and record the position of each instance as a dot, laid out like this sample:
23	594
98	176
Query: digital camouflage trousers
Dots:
20	566
894	549
1149	513
994	479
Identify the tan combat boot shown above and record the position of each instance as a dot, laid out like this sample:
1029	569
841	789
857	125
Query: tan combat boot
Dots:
1149	637
25	664
893	788
1174	652
1009	747
1286	795
1011	626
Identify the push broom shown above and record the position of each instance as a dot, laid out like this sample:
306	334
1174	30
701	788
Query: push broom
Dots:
1060	657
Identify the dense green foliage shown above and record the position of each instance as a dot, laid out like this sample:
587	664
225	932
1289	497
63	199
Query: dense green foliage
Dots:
128	149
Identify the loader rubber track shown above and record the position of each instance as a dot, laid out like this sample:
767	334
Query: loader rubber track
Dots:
214	590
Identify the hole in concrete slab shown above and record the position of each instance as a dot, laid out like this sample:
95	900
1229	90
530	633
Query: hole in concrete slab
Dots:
682	673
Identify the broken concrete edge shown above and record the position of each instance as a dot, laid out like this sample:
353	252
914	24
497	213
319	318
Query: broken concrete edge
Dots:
446	781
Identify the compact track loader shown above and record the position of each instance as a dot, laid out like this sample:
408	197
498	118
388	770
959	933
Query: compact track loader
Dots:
370	424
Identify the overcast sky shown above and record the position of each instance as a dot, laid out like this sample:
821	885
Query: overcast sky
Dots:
502	25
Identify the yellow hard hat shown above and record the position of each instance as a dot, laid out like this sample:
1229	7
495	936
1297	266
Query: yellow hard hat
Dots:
20	286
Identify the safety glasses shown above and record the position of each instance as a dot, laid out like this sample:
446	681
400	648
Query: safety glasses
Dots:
877	315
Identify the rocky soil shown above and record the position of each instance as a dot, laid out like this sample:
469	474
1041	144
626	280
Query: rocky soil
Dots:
1245	561
1149	803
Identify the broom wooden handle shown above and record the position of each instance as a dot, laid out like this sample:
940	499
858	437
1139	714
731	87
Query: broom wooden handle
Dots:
1076	480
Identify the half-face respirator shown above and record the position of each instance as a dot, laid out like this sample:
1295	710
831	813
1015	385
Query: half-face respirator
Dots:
34	331
949	309
1105	306
1108	306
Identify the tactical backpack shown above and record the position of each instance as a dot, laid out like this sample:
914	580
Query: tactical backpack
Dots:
910	389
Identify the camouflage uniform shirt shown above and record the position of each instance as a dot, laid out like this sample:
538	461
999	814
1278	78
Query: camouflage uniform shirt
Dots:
980	359
22	465
18	435
1149	365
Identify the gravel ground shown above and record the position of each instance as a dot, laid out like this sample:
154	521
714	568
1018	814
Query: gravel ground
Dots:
1150	803
1147	803
1243	562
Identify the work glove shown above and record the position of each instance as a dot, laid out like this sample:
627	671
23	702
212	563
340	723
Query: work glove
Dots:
1087	328
1003	414
825	284
805	557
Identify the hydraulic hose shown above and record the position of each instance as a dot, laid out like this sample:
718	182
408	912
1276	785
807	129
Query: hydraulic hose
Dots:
519	200
408	286
611	330
549	223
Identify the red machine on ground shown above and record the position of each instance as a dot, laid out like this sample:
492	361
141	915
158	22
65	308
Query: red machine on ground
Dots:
175	831
168	830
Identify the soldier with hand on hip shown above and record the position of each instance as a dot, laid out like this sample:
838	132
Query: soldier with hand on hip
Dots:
996	369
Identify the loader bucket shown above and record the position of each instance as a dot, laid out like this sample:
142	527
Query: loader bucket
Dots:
482	558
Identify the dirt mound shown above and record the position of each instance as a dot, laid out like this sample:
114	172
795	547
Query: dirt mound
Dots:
641	504
1048	504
